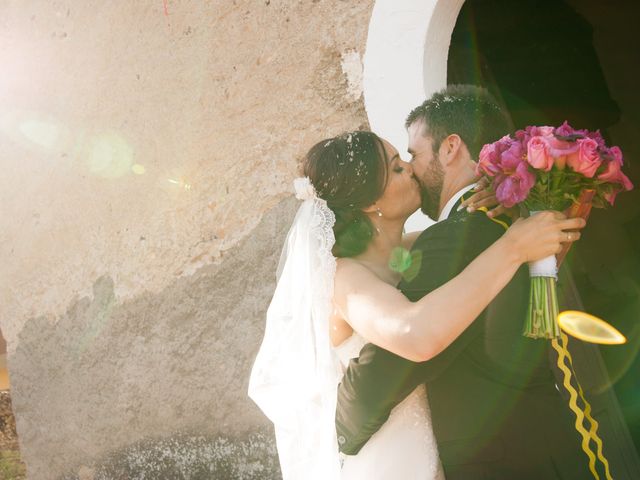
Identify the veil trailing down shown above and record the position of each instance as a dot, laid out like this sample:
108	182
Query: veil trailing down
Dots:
295	376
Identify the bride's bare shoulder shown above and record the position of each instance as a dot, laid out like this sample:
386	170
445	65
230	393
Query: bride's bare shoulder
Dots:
352	274
346	266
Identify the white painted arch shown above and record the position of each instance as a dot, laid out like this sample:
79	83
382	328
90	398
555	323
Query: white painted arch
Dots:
405	62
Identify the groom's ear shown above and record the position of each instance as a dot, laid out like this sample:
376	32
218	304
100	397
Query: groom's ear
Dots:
450	148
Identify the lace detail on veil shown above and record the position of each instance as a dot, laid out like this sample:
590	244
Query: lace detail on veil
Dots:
295	376
322	222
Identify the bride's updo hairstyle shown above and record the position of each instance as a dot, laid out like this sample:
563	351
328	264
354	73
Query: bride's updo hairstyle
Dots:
350	173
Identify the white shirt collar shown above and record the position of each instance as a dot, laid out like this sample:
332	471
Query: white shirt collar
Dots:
446	211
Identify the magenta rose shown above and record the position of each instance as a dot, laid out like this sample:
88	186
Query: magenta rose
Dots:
587	159
566	130
491	156
488	160
597	136
515	187
522	136
538	154
512	155
515	180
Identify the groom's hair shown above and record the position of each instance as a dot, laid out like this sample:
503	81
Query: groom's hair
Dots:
466	110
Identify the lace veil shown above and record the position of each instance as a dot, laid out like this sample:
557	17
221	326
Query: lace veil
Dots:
295	376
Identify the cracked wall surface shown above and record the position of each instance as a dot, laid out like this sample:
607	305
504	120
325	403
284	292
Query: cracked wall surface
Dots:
148	150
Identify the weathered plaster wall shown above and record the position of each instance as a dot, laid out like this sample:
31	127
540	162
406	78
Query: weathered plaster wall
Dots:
147	154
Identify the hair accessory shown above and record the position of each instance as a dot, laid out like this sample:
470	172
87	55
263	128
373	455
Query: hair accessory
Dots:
304	189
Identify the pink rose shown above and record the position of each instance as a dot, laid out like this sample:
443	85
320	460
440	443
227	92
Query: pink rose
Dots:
616	154
541	131
613	174
560	148
560	162
611	196
587	159
538	154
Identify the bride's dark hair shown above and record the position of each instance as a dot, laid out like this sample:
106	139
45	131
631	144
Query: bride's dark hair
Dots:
350	173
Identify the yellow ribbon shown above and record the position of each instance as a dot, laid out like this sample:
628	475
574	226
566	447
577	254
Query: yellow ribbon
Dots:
499	222
587	435
486	210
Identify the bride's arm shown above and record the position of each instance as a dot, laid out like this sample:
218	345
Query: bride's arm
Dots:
419	331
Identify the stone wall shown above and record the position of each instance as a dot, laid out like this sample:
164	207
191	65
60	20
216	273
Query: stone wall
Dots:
11	468
8	435
148	152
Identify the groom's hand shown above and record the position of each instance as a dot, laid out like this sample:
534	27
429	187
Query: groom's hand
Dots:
484	198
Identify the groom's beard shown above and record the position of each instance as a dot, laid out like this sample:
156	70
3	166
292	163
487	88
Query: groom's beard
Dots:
430	205
431	190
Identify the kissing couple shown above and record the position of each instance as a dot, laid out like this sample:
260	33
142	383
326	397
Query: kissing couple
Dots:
401	356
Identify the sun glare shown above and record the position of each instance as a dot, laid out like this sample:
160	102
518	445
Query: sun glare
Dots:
109	156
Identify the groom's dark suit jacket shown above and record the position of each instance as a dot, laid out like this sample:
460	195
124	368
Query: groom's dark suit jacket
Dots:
495	407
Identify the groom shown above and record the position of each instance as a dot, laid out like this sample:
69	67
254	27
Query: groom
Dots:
496	410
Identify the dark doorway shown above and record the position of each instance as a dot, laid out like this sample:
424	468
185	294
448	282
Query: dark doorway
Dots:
554	60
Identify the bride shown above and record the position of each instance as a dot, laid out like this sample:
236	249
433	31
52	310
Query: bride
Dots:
336	292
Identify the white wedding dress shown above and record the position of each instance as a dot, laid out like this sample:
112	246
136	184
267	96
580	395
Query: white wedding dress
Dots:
296	373
404	447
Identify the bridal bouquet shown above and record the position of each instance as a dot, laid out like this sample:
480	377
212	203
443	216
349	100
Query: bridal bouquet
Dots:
546	168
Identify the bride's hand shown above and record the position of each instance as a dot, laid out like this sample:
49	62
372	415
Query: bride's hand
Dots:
485	197
542	234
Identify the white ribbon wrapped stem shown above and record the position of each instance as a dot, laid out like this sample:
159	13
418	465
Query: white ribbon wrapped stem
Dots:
546	267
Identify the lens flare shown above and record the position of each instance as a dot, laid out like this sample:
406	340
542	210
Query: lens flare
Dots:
44	134
181	183
138	169
110	156
4	373
589	328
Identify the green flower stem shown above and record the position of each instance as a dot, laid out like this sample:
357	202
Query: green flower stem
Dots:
543	309
553	308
